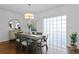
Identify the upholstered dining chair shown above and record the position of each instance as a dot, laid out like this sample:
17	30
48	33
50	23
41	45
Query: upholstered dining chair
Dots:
22	42
37	33
18	40
27	43
42	43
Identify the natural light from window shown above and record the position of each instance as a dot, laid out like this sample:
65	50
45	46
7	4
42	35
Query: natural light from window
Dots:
55	27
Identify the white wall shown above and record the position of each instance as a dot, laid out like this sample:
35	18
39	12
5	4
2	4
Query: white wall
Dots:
47	14
72	13
5	16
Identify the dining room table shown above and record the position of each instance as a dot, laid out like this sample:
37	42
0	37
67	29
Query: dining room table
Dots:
32	36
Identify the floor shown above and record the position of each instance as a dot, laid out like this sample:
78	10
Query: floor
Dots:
9	47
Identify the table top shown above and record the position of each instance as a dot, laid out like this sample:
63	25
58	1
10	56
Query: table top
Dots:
32	36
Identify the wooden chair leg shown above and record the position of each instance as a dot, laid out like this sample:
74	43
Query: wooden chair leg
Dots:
41	50
26	50
21	47
46	49
27	47
17	45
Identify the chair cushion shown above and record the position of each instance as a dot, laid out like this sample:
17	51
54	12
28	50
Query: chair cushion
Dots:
30	41
42	44
24	43
38	41
18	40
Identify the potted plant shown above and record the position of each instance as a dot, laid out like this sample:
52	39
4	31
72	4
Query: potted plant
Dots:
29	27
73	37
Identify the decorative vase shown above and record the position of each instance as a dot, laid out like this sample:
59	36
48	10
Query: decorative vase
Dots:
29	31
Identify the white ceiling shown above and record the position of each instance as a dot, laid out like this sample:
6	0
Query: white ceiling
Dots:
22	8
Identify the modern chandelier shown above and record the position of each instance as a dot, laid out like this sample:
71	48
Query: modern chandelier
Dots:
29	15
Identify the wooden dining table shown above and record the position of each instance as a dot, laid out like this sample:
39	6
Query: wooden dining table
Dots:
32	36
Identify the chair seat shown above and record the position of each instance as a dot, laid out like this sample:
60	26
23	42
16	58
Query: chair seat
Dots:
42	44
25	43
18	40
30	41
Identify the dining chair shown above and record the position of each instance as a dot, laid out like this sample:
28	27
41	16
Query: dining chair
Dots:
39	33
33	32
18	40
40	44
22	42
27	43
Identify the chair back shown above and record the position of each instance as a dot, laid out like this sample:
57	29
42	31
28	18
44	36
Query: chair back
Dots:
39	33
34	33
45	36
17	35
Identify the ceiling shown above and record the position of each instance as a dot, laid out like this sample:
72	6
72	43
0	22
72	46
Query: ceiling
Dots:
22	8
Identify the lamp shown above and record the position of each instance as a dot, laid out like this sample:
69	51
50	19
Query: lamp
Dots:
29	15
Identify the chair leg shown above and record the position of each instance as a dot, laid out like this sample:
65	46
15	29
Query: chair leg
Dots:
26	50
40	49
21	47
46	49
17	45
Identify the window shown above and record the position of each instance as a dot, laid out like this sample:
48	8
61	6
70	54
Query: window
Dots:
56	29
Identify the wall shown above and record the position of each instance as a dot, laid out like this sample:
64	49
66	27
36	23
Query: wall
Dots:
72	13
5	16
47	14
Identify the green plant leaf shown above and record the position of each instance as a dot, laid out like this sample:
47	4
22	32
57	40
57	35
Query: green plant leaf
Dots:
73	37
